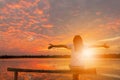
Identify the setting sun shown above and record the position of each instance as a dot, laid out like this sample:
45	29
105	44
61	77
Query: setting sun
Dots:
88	53
88	57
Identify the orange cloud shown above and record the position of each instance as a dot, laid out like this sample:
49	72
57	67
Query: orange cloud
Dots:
14	6
24	41
112	25
47	25
39	11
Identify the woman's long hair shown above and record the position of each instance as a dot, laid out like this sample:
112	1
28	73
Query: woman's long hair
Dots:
77	42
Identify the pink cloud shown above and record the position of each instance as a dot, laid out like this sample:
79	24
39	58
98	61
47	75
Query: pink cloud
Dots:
39	11
98	13
112	25
47	25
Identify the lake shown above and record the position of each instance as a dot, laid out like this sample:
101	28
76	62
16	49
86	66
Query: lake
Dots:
107	69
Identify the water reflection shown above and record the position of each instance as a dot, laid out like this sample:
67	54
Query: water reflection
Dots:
104	66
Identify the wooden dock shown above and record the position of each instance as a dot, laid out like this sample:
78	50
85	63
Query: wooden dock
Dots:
74	73
82	71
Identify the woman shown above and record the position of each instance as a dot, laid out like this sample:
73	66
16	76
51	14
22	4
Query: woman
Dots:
76	64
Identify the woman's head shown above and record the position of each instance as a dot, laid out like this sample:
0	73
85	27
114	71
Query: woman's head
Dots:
78	42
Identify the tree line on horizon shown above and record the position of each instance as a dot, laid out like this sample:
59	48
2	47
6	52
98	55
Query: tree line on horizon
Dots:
55	56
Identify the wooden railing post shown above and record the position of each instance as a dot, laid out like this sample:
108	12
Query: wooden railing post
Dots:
15	75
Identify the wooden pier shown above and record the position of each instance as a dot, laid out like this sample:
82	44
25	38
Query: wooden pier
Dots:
75	73
82	71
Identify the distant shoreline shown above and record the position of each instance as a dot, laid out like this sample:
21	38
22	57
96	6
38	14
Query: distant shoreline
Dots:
33	56
54	56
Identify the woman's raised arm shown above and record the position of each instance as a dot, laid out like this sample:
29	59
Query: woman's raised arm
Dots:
97	46
57	46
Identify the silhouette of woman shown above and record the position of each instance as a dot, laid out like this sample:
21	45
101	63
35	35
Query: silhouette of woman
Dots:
76	48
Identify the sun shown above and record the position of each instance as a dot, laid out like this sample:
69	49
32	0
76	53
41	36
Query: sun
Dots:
88	57
88	53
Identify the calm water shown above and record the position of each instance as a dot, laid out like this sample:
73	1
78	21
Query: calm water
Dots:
107	69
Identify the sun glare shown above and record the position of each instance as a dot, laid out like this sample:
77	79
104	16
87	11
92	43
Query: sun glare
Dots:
88	57
88	53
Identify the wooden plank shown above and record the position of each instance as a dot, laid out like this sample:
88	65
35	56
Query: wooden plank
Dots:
40	71
88	71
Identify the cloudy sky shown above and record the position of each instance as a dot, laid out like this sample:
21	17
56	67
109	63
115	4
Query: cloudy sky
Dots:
30	25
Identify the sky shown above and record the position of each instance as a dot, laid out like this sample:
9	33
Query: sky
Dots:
30	25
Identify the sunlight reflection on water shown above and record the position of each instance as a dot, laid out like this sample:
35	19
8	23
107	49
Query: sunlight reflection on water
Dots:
103	66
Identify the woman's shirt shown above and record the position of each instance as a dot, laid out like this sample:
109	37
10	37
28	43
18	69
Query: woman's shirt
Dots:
75	57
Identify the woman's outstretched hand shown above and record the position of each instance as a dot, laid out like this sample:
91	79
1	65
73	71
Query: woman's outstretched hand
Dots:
50	46
98	46
106	46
